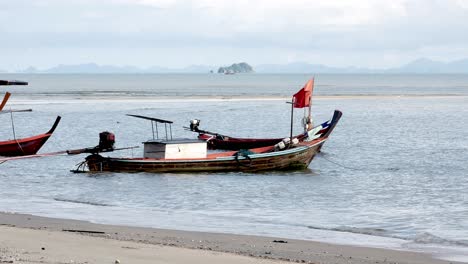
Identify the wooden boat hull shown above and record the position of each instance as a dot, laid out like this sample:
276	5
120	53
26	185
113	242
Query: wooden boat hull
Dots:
294	158
26	146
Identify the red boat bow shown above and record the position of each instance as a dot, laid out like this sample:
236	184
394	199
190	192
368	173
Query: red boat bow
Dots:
26	146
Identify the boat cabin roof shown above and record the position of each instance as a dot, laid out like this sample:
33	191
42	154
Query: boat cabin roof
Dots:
175	141
152	119
154	125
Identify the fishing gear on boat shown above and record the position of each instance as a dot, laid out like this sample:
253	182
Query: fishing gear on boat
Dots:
245	154
286	143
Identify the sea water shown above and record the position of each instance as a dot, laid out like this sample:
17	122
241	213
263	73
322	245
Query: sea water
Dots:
392	175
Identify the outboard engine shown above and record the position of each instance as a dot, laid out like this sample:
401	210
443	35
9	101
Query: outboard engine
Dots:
194	123
106	140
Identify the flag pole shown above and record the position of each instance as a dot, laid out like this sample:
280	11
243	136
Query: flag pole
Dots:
292	116
310	121
309	117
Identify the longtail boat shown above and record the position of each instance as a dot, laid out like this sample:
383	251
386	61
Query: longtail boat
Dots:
26	146
301	99
191	156
22	146
223	142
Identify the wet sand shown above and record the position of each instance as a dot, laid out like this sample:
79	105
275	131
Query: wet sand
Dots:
34	239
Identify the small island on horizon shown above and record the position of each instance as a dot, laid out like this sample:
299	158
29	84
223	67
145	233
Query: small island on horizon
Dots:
241	67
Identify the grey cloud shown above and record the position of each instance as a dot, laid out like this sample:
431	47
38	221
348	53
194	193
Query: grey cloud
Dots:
96	25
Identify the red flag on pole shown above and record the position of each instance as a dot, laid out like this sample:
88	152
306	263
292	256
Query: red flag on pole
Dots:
303	97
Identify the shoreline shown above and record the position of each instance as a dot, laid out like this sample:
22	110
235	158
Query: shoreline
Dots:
79	99
264	249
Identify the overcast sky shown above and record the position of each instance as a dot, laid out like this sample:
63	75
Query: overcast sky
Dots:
177	33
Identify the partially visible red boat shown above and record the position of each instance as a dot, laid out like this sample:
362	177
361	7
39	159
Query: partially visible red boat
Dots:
23	146
218	141
301	99
223	142
26	146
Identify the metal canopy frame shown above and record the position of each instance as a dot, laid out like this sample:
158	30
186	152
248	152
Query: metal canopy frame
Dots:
154	124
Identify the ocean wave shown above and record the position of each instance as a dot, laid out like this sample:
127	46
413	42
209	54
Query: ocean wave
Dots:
428	238
356	230
421	238
81	202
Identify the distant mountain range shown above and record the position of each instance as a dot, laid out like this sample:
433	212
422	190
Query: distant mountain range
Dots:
430	66
420	66
105	69
303	67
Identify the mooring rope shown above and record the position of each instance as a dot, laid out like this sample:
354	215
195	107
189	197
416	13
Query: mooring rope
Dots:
243	153
323	155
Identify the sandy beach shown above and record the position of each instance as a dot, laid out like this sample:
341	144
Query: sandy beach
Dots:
19	245
34	239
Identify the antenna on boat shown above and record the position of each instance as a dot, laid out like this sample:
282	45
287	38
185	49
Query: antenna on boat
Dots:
292	117
12	125
14	133
154	123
